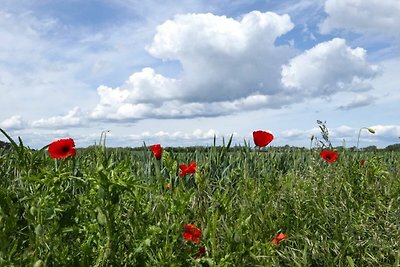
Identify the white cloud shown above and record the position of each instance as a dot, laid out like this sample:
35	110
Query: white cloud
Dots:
35	68
200	65
39	137
227	65
196	135
343	132
223	58
384	134
294	133
389	131
364	16
233	65
387	84
327	68
147	86
360	100
73	118
13	123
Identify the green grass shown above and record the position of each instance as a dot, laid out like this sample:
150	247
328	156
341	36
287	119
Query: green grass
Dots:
111	207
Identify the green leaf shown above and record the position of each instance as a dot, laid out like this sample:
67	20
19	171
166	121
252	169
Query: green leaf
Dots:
350	261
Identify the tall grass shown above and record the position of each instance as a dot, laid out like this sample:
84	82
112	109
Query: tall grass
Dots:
116	207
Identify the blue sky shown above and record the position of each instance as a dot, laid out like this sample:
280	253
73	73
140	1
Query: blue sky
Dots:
178	72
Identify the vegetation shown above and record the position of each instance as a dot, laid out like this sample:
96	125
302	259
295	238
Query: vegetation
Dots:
123	207
4	144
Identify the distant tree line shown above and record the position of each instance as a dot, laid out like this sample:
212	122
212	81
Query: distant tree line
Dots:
190	149
393	147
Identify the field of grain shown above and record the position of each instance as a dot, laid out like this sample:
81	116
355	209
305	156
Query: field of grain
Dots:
123	207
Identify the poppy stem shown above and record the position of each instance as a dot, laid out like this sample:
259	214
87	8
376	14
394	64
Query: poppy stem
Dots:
359	134
73	166
158	173
358	139
56	165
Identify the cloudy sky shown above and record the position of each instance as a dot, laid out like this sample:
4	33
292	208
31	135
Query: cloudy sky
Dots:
180	72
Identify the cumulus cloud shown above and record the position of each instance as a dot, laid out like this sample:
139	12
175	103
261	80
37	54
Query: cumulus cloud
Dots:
13	123
389	131
327	68
72	119
366	16
227	65
232	65
223	58
294	133
196	135
359	101
384	134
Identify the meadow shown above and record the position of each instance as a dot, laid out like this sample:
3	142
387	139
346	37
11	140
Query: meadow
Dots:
124	207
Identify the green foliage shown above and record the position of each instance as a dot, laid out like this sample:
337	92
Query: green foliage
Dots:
394	147
111	207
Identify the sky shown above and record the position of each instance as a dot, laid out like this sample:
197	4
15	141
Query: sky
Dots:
179	72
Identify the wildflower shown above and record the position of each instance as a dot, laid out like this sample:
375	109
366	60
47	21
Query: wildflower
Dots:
329	155
62	148
157	151
191	233
262	138
362	162
201	252
279	238
187	169
370	130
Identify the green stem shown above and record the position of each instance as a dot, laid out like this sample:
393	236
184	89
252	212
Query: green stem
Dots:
158	174
110	237
359	134
107	259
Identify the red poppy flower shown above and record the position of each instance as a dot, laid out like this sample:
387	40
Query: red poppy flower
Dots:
201	252
62	148
157	151
279	238
329	155
191	233
187	169
262	138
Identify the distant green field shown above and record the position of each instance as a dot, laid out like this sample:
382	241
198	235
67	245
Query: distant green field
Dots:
118	207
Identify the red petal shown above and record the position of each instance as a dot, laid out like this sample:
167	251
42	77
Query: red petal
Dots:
187	236
201	252
187	169
157	151
193	164
62	148
279	238
329	155
262	138
189	226
190	232
191	168
183	167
